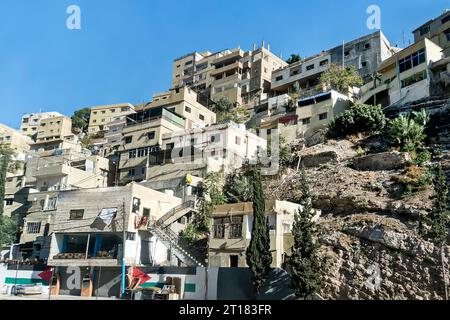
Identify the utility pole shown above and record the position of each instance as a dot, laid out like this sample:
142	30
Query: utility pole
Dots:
124	235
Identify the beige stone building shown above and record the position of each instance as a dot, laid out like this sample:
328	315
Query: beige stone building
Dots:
365	54
243	77
219	147
184	102
31	122
141	136
231	229
54	128
13	139
102	116
436	30
405	77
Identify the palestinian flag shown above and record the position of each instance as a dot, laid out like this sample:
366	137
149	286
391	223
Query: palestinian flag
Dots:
140	275
47	274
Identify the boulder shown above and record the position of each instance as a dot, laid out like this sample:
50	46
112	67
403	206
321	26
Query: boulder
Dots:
382	161
317	159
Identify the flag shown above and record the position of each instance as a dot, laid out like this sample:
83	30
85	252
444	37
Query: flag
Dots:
47	274
140	275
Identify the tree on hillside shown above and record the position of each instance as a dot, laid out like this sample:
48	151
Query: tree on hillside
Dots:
238	187
293	58
258	255
340	79
226	111
80	120
305	263
9	228
434	226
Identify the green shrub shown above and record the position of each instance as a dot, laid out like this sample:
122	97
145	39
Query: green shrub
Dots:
421	158
406	133
361	118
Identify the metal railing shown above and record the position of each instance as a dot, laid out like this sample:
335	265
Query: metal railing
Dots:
186	205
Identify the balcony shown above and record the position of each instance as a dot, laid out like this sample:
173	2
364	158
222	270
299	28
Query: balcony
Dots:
233	66
56	170
231	78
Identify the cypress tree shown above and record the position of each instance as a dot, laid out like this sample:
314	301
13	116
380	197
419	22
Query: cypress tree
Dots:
4	162
305	264
258	255
434	226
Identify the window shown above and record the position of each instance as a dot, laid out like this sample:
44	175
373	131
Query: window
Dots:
367	46
310	67
364	64
95	112
94	121
131	172
187	109
188	63
238	140
446	19
151	135
219	229
425	30
51	205
323	116
128	139
33	227
215	138
235	228
412	60
143	152
234	261
447	33
131	236
306	121
132	154
9	202
323	63
279	78
143	171
347	53
201	117
414	79
170	146
123	109
103	112
76	214
113	110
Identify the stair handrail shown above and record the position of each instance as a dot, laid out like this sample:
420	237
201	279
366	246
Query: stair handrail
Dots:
171	212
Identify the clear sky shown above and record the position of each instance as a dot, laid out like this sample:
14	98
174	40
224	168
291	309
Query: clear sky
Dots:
125	48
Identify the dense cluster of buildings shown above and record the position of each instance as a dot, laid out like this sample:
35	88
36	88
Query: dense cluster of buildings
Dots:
127	196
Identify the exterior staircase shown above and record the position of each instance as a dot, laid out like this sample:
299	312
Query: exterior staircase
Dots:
170	240
177	213
162	230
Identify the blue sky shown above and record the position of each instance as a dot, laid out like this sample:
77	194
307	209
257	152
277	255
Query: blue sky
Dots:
125	48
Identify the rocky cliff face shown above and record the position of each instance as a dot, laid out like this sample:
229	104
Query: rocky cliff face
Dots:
370	245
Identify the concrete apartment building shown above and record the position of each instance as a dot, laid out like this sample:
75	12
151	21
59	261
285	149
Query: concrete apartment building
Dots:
405	77
243	77
436	30
308	114
31	122
15	195
141	136
14	140
184	102
102	116
66	171
365	54
54	129
218	147
231	229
